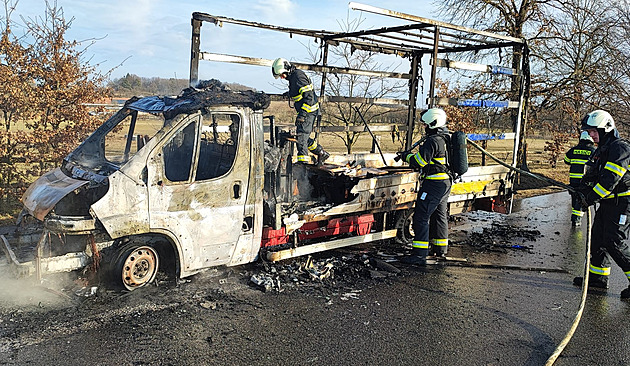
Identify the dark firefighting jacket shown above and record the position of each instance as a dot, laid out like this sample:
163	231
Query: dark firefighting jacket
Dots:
431	157
302	93
607	171
577	157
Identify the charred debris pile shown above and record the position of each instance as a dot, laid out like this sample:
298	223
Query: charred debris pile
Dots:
205	93
322	274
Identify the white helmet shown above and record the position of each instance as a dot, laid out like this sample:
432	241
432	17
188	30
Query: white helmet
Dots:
585	136
434	117
279	67
598	119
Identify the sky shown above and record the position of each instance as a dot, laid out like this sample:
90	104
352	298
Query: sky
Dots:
151	38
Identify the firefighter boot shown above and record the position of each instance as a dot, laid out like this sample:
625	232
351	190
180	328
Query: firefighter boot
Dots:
576	221
322	154
440	252
594	281
321	158
439	247
417	257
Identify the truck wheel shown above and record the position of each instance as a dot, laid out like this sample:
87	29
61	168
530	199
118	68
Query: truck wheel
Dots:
404	227
135	266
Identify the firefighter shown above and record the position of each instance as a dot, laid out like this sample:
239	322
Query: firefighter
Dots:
430	218
607	182
305	103
577	157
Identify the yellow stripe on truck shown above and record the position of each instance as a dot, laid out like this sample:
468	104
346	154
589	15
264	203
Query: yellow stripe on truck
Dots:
470	187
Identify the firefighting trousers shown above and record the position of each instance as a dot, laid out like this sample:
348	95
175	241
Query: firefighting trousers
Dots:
304	127
576	207
610	231
430	217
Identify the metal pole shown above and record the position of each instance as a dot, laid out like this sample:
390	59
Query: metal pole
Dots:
519	115
413	98
522	113
194	52
132	130
434	62
322	96
367	127
40	254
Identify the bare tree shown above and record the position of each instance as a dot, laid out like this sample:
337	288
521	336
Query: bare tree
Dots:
501	16
579	52
574	53
345	114
616	89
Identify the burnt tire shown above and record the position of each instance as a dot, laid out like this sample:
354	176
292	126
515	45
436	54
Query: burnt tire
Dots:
135	265
404	227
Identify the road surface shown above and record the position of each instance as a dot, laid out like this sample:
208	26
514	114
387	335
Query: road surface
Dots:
439	315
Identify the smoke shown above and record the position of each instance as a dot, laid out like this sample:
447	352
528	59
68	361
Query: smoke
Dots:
27	293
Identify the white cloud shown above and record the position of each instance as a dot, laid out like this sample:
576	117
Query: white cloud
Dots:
277	11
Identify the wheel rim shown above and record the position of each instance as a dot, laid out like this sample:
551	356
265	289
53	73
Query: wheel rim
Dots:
404	227
140	267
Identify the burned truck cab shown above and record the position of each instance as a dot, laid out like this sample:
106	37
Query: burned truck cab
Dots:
172	182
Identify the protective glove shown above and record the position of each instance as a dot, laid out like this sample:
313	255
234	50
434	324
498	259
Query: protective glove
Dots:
401	155
300	120
285	95
583	193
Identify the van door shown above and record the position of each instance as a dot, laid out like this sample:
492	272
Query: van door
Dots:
197	178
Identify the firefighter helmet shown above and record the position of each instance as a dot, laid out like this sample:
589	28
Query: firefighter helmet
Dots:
585	136
279	67
434	117
598	119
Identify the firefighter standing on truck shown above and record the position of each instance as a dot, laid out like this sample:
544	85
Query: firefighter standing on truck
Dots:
577	157
305	103
607	182
430	218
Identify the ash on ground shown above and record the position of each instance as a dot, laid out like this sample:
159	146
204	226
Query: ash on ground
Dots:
500	237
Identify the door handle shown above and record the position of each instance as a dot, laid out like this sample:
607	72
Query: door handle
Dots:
236	190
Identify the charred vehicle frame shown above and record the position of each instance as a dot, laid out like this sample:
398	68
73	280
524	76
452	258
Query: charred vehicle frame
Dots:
205	179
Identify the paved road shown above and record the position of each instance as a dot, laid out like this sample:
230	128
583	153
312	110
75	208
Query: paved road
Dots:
445	315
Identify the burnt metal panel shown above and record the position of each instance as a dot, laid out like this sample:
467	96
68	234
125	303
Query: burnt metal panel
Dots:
42	196
124	208
62	263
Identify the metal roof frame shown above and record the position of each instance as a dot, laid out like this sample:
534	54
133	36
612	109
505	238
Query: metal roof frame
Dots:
420	37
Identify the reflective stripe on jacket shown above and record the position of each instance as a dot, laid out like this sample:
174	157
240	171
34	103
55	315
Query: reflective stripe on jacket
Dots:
577	157
302	92
611	163
431	157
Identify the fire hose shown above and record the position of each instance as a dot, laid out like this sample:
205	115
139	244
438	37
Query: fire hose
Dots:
587	260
